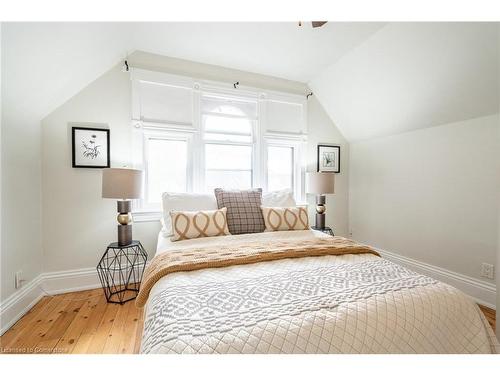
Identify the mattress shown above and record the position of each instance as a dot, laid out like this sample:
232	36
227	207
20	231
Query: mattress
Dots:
329	304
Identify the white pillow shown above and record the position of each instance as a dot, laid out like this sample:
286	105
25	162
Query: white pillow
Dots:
204	202
278	198
184	202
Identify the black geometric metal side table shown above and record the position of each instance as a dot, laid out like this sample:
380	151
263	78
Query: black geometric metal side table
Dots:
326	230
120	271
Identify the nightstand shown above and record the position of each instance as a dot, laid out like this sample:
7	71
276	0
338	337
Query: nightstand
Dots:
120	271
326	230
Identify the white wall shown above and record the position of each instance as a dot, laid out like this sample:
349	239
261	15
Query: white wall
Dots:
411	75
322	130
498	228
172	65
1	179
498	248
77	222
430	194
21	240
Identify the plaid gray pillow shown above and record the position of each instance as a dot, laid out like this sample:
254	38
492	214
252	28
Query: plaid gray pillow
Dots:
243	210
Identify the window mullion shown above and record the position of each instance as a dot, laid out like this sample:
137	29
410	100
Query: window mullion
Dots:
198	148
261	148
226	115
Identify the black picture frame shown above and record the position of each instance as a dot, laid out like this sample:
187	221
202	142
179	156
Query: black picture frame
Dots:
335	150
74	162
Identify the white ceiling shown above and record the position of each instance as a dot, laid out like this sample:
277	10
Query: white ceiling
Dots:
47	63
372	79
279	49
410	76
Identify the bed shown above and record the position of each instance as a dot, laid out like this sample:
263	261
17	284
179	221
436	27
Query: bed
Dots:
350	303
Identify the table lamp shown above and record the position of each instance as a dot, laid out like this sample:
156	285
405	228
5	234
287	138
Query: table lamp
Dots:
122	184
320	183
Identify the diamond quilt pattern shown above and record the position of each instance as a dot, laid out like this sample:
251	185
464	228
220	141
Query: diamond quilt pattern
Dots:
329	304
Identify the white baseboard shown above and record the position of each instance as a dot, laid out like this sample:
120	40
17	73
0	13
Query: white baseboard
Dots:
482	292
70	281
19	303
51	283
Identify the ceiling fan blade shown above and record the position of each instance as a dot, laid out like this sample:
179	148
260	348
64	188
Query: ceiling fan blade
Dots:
318	23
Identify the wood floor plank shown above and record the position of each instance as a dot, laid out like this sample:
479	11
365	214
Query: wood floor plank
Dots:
128	343
46	347
96	315
76	322
138	336
47	325
115	336
82	344
490	315
103	330
35	332
69	339
84	294
94	319
13	333
64	320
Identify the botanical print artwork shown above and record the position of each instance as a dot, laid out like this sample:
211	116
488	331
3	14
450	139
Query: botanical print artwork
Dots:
328	158
90	147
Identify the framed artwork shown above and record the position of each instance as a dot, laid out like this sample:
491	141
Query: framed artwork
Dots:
328	158
90	147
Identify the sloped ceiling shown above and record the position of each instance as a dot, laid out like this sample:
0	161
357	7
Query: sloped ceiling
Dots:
279	49
373	79
412	75
45	64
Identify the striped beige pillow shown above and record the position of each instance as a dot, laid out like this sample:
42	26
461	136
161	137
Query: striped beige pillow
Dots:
195	224
285	218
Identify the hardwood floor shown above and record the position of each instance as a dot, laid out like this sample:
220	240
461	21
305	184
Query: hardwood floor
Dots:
490	315
79	322
83	322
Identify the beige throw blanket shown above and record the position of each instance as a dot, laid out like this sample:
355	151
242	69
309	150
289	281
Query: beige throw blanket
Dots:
215	257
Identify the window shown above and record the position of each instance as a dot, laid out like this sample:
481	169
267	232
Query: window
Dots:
218	128
228	139
280	166
228	166
161	174
191	136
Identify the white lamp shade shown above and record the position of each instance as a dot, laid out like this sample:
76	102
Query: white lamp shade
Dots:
121	183
320	183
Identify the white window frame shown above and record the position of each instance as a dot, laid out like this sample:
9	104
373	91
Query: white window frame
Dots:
193	134
298	145
142	210
252	142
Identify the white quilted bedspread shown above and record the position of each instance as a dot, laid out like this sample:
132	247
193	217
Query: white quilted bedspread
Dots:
331	304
